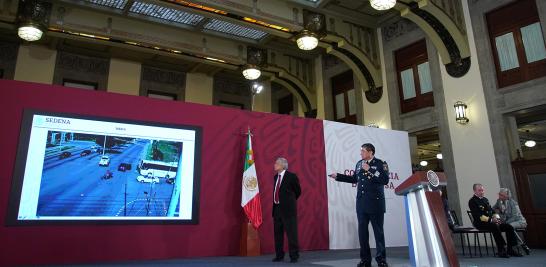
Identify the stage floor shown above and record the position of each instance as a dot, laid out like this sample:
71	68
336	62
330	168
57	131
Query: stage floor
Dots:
396	257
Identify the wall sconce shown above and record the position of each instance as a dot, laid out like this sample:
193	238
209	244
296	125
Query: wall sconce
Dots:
256	88
460	112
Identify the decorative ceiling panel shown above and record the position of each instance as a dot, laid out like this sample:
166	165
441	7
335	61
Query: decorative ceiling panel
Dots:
165	13
118	4
234	29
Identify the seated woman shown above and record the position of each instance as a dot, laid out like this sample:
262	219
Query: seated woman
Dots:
509	212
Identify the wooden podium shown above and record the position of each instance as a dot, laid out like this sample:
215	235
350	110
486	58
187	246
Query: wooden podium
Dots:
430	242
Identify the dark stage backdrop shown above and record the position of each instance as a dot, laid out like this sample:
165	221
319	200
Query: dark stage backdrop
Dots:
300	140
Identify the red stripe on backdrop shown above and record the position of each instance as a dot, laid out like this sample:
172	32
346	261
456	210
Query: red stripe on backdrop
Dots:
301	141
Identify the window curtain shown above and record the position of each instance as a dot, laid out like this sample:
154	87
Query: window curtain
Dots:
533	41
424	78
352	101
340	106
506	50
408	84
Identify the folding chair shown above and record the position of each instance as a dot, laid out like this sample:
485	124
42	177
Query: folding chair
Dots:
462	231
477	233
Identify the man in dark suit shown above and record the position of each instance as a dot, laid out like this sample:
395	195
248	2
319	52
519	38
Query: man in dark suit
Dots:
371	175
286	191
484	218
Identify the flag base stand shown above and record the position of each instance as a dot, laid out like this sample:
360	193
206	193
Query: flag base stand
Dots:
250	241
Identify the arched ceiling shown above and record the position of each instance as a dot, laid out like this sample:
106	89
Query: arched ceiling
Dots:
218	33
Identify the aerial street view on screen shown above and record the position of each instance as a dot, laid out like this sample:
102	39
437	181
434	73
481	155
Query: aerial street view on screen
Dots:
105	175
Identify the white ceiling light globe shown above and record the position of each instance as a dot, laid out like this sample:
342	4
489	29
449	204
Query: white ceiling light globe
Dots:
251	73
423	163
30	33
530	143
382	4
439	156
307	42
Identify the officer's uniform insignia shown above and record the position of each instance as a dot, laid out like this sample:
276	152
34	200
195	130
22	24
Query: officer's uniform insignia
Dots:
358	166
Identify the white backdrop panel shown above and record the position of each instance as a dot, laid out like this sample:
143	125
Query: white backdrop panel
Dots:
342	151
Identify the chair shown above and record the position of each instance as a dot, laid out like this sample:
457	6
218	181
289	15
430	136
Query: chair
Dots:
477	233
463	232
521	238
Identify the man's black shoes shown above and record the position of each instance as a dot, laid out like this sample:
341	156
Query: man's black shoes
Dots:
502	254
382	264
277	259
513	253
364	264
526	249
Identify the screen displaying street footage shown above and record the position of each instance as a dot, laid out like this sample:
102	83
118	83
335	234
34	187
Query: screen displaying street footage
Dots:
77	168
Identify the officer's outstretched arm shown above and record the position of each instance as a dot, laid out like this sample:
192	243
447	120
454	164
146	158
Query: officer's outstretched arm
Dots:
346	178
353	179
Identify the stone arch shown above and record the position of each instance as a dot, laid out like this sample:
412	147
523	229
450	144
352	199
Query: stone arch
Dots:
451	43
295	86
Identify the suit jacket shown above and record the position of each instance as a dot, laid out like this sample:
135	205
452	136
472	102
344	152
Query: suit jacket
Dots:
509	211
370	185
289	192
481	211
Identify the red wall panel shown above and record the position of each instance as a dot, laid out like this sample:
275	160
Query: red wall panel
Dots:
300	140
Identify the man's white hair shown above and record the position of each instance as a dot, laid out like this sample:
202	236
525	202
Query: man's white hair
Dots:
283	162
505	191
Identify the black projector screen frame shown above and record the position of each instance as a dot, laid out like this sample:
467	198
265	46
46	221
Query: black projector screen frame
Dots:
80	169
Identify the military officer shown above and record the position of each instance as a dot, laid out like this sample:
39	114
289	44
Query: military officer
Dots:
483	218
371	175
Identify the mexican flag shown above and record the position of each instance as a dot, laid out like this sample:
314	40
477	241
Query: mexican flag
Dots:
250	197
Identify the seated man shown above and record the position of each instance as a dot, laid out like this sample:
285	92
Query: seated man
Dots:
485	219
509	212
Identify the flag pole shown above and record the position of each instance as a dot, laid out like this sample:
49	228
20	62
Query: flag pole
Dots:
250	239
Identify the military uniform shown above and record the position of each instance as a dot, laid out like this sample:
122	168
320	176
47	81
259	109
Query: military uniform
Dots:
482	214
370	204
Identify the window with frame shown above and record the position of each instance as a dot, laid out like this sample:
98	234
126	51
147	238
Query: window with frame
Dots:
80	84
161	95
82	71
414	80
229	104
517	43
160	81
344	96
